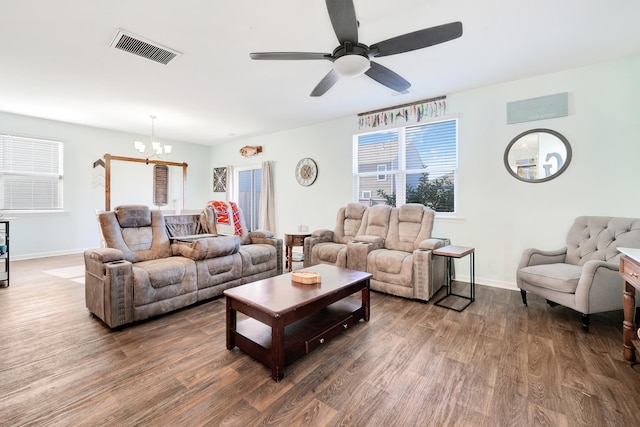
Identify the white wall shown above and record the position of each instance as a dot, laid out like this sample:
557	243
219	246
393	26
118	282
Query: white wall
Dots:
75	229
498	215
329	144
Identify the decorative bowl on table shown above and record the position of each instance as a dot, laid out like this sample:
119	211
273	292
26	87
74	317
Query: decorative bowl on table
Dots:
305	277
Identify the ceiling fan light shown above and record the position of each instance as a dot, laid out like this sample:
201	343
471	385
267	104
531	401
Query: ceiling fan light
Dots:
351	65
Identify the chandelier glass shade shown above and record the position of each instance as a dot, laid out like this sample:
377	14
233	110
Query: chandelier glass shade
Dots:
154	148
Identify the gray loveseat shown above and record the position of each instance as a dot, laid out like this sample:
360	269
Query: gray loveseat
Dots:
143	273
393	244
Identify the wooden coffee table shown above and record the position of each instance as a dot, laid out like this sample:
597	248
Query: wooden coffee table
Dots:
288	320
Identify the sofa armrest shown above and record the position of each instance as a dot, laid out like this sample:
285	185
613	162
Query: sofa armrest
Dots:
208	247
428	272
377	242
260	234
109	286
266	237
599	288
431	244
317	236
359	249
323	235
533	256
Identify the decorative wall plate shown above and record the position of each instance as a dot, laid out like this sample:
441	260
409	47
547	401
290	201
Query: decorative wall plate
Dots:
219	179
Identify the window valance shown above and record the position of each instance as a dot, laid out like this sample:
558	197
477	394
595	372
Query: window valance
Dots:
401	115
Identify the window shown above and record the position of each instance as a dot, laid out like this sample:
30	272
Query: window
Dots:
30	173
412	164
249	189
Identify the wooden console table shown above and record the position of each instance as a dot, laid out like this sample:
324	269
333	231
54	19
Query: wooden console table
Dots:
630	272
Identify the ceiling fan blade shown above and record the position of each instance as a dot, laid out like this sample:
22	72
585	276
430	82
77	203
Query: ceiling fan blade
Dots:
417	40
325	84
291	55
343	19
386	77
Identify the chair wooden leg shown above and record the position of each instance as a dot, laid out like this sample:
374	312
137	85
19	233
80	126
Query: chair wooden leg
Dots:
585	322
523	293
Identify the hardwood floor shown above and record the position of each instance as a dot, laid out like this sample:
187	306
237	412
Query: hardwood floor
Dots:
497	363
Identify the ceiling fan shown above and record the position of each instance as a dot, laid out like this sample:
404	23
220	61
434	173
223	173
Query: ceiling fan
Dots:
352	58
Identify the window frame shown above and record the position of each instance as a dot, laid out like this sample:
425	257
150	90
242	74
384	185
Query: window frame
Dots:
400	173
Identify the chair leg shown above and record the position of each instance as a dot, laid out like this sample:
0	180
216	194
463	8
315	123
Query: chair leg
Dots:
585	322
523	293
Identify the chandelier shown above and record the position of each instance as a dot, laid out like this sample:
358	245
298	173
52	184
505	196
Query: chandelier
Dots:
155	148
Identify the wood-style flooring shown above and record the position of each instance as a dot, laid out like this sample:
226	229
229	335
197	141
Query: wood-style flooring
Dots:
498	363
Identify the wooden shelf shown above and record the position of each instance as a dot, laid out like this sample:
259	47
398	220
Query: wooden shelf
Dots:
306	334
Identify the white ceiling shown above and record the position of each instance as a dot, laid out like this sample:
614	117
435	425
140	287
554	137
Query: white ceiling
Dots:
56	63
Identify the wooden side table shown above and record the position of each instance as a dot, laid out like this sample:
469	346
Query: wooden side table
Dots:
630	272
291	240
451	252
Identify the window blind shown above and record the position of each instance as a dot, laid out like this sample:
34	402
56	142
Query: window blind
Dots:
31	173
409	164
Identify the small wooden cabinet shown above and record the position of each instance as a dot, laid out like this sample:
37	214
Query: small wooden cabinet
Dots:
630	272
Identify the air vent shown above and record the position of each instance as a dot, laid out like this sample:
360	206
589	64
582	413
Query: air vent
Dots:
144	48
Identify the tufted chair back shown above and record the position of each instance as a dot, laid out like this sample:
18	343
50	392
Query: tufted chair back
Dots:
137	231
598	237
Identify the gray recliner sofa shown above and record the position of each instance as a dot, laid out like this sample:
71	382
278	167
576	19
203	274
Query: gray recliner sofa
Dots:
143	273
393	244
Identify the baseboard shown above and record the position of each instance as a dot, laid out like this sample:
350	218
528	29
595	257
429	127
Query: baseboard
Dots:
46	254
488	282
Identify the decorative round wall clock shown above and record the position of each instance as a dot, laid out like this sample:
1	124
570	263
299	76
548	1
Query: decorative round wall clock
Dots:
306	171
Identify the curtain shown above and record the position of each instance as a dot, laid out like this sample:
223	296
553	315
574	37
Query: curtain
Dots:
267	217
230	183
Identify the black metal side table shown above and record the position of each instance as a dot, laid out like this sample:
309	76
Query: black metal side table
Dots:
451	252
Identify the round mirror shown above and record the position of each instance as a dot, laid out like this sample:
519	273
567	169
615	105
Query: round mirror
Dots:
537	155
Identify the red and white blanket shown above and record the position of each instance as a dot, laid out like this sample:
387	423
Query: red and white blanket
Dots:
227	217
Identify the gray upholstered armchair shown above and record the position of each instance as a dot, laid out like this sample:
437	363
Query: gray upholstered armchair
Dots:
583	275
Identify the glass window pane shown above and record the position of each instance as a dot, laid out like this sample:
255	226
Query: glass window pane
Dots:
376	149
431	146
374	191
249	189
433	190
